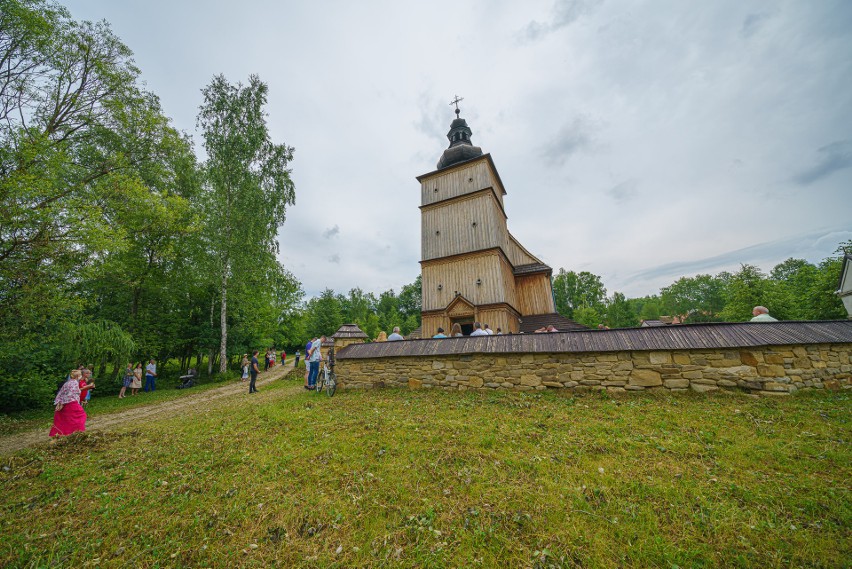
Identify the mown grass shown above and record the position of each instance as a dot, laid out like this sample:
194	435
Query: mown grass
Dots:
391	478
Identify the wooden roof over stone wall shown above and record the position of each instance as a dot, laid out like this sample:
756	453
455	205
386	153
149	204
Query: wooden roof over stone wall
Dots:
349	331
684	337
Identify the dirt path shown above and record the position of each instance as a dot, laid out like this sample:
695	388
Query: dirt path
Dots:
183	405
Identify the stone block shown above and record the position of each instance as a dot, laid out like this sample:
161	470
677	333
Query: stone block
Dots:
831	384
777	359
774	386
681	358
702	388
692	375
530	380
726	383
765	370
614	383
570	383
645	377
475	382
660	357
414	383
800	352
552	384
727	362
622	366
590	382
676	383
738	371
749	359
634	388
615	389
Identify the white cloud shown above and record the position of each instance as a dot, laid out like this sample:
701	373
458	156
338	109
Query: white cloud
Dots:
635	140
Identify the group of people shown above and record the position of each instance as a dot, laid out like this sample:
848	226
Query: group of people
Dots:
76	390
133	378
478	330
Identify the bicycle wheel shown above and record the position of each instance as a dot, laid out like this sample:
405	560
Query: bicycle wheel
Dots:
331	385
320	382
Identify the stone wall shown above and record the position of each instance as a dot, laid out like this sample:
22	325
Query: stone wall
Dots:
767	370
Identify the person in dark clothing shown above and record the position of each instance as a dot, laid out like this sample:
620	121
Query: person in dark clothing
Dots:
254	371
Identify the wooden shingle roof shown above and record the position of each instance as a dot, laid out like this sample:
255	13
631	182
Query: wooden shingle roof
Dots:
684	337
349	331
530	324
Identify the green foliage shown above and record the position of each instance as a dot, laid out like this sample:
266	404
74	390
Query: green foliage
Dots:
324	314
747	288
587	316
700	298
578	290
247	188
96	341
619	313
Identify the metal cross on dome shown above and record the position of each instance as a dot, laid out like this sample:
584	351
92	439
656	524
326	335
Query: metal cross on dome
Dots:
456	102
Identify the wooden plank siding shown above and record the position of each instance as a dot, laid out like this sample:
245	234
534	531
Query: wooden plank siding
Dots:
461	226
464	179
534	294
517	254
460	275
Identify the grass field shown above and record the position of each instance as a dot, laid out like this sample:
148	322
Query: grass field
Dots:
391	478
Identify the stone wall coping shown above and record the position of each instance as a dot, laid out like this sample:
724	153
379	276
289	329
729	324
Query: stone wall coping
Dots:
727	335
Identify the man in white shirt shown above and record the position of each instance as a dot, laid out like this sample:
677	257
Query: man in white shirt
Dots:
150	374
314	360
395	336
477	330
488	330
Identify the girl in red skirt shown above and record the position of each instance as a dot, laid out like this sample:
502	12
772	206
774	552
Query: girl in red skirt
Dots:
69	416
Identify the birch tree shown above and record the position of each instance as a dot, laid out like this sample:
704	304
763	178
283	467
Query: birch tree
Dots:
247	188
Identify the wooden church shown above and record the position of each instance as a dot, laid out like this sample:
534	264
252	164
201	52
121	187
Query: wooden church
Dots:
473	269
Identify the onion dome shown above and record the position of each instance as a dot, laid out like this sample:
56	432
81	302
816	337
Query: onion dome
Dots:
461	148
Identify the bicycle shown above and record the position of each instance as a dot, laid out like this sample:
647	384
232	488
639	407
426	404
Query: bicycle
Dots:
326	379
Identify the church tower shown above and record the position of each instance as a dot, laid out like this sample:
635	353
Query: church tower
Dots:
473	269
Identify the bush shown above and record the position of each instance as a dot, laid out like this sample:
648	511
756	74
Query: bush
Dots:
27	391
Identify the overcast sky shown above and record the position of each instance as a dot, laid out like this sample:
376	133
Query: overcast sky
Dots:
641	141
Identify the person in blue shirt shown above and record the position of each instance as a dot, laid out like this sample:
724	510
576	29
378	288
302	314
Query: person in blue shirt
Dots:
440	334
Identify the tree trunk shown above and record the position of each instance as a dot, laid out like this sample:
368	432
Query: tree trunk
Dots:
223	347
210	358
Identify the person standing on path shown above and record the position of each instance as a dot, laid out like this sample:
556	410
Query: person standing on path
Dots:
254	371
244	365
296	365
151	375
126	380
307	363
136	384
314	358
